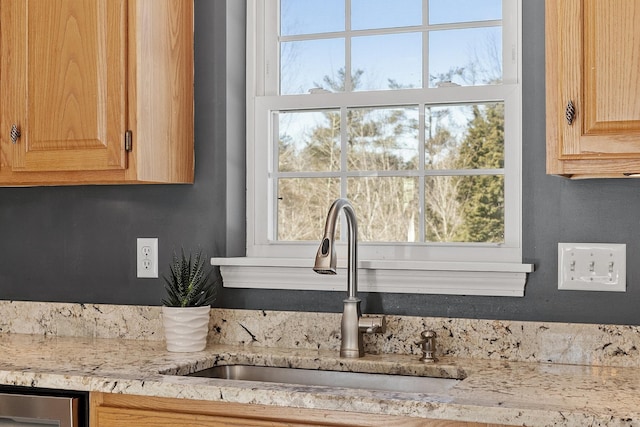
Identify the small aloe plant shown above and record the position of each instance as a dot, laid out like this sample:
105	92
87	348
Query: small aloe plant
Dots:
190	283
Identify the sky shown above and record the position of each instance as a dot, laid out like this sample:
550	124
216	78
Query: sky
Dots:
382	57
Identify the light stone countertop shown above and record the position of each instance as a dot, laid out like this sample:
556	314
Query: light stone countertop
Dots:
518	373
518	393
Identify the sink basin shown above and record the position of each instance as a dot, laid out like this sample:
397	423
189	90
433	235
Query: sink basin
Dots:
369	381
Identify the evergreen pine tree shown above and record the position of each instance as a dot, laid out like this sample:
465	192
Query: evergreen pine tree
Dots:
482	196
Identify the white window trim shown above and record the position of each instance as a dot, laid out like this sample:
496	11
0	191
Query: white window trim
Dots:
451	278
291	268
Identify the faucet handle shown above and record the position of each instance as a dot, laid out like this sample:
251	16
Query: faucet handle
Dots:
428	344
372	324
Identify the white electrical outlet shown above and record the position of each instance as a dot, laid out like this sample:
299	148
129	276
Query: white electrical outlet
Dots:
147	257
592	266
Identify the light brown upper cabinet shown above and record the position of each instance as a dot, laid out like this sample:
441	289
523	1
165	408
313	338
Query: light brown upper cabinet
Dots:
96	91
593	87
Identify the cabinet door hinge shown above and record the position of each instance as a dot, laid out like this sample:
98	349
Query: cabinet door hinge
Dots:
128	141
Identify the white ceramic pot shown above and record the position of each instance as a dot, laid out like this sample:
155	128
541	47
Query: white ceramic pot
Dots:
186	328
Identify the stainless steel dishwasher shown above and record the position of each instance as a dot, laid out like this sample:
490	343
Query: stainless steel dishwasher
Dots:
31	407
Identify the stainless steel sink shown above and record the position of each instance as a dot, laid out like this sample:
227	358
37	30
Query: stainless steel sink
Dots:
369	381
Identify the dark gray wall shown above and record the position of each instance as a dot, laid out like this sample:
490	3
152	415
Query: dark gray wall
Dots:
77	244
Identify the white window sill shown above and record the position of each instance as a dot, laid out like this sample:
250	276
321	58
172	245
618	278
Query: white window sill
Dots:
426	277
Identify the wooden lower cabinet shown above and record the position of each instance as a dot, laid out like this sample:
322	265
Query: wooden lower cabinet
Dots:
119	410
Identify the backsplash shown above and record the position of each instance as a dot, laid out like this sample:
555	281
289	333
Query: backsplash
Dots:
583	344
81	320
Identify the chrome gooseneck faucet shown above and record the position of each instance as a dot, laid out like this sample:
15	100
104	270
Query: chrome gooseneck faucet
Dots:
353	325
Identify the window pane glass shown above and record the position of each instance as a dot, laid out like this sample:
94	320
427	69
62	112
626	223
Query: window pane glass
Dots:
415	171
368	14
305	65
387	61
382	138
464	136
465	57
382	218
448	11
302	207
464	209
311	16
308	141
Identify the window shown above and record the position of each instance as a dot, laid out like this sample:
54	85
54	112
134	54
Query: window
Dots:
409	108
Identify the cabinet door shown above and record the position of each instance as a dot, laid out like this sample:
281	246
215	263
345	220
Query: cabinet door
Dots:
119	417
593	62
63	84
119	410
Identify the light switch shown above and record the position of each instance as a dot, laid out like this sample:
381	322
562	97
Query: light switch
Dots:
592	266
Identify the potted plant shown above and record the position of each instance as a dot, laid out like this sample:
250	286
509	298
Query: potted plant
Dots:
191	289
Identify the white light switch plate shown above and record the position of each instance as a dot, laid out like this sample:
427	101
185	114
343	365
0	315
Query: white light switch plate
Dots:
592	266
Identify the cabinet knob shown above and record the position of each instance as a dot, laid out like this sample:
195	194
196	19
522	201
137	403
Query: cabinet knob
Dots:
15	133
570	113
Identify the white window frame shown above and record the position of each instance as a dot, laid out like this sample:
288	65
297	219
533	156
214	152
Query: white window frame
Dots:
444	268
